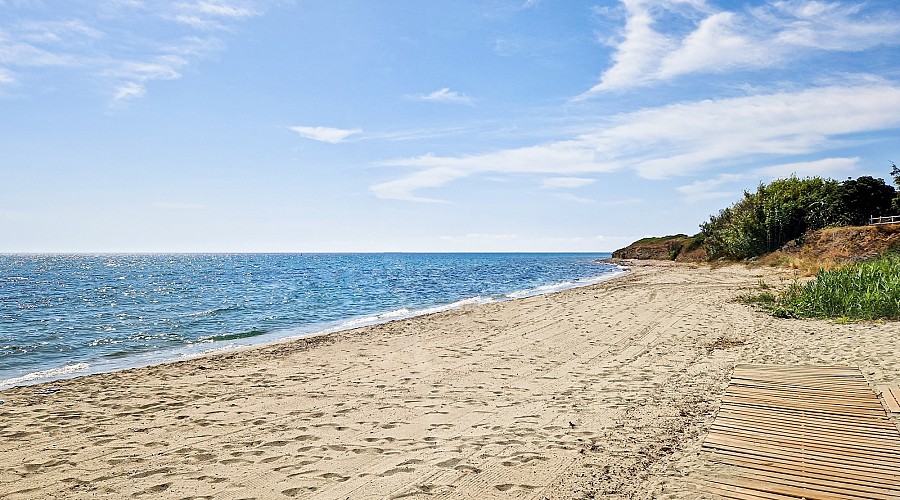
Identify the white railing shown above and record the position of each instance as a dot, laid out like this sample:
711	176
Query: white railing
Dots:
891	219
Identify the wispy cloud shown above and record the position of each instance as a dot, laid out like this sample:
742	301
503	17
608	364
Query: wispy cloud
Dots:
567	182
208	14
711	189
6	78
677	139
726	185
446	95
574	198
124	44
822	168
403	188
325	134
758	38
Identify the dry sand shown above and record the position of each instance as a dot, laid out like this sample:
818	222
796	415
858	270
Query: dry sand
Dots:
602	391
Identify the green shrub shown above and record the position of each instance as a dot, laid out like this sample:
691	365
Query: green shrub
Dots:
865	290
785	209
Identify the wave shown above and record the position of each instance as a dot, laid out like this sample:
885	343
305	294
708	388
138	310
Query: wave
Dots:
234	336
45	374
405	313
565	285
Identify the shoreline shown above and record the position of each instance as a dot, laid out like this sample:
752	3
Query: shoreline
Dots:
604	390
90	367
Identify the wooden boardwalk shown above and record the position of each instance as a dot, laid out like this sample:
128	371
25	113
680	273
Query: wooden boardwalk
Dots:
791	432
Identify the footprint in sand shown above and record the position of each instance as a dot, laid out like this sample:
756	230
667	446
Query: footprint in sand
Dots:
514	487
449	463
396	470
335	476
292	492
159	488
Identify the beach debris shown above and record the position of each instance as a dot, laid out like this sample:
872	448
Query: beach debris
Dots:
47	390
2	401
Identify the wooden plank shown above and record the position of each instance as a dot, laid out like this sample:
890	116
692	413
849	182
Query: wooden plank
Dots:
725	490
812	408
881	434
891	397
875	436
793	399
755	461
755	484
827	389
785	484
779	457
878	447
819	478
868	427
841	398
803	432
837	456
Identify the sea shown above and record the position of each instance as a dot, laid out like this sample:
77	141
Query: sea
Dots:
68	315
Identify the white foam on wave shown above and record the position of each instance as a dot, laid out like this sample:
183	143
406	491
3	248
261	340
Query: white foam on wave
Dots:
375	318
565	285
45	374
405	313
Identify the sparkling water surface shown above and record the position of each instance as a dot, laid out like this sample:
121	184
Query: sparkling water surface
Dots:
66	315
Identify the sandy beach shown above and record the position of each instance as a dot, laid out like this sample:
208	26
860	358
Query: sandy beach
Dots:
603	391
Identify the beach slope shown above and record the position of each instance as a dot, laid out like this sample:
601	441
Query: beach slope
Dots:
601	391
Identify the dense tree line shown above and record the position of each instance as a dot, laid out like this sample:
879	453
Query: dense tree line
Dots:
785	209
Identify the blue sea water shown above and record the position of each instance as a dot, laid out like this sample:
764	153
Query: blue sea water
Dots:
67	315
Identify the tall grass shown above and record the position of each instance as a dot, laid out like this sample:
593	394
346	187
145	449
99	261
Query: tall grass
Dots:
865	290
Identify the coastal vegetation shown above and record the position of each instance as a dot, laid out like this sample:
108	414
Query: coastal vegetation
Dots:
866	290
815	225
786	209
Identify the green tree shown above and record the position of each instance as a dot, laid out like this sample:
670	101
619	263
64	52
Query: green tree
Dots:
864	197
776	213
895	203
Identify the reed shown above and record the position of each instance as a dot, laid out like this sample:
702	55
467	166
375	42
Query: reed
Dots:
867	290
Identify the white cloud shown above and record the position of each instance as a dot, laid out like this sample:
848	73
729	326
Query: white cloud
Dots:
567	182
134	75
54	32
325	134
678	139
638	53
446	95
16	53
128	91
209	14
711	189
572	197
402	189
725	40
153	41
715	45
6	77
827	167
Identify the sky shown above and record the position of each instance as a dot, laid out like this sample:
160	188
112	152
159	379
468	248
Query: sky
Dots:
361	126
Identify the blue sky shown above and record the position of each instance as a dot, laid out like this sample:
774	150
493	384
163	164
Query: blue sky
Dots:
253	125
